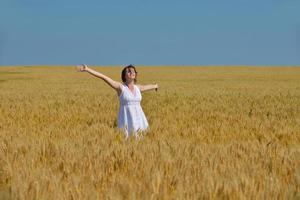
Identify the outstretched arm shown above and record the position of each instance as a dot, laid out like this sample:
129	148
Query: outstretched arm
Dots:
114	84
144	88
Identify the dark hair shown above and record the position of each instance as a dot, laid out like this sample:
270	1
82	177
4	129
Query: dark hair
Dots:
123	75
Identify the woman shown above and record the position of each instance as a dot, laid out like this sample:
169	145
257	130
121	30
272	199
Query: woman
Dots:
131	117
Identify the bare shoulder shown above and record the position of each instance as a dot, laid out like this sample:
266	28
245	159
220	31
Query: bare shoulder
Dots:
120	89
141	87
119	84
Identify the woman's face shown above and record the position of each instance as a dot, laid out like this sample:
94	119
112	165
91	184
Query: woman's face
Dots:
130	74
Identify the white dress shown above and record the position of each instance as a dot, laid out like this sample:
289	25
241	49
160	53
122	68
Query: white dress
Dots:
131	117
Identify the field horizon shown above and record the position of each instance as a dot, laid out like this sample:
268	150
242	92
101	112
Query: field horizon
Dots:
215	133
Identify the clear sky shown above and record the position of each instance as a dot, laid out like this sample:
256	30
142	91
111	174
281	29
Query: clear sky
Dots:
150	32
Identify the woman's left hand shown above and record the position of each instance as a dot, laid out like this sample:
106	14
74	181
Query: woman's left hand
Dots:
82	68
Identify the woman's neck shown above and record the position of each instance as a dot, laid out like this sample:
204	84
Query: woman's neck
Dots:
130	84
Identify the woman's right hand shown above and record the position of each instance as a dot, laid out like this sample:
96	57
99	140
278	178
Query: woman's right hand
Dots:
82	67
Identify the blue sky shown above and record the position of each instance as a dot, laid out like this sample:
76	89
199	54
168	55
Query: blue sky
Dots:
165	32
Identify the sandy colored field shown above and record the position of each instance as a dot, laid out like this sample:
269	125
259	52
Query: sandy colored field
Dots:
216	132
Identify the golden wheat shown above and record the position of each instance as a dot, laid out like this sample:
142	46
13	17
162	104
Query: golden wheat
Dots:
216	132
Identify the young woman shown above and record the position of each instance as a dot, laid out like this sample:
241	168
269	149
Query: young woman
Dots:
131	117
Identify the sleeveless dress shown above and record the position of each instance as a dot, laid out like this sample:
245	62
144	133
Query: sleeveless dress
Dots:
131	117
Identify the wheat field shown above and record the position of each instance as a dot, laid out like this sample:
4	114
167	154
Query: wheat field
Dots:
215	133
